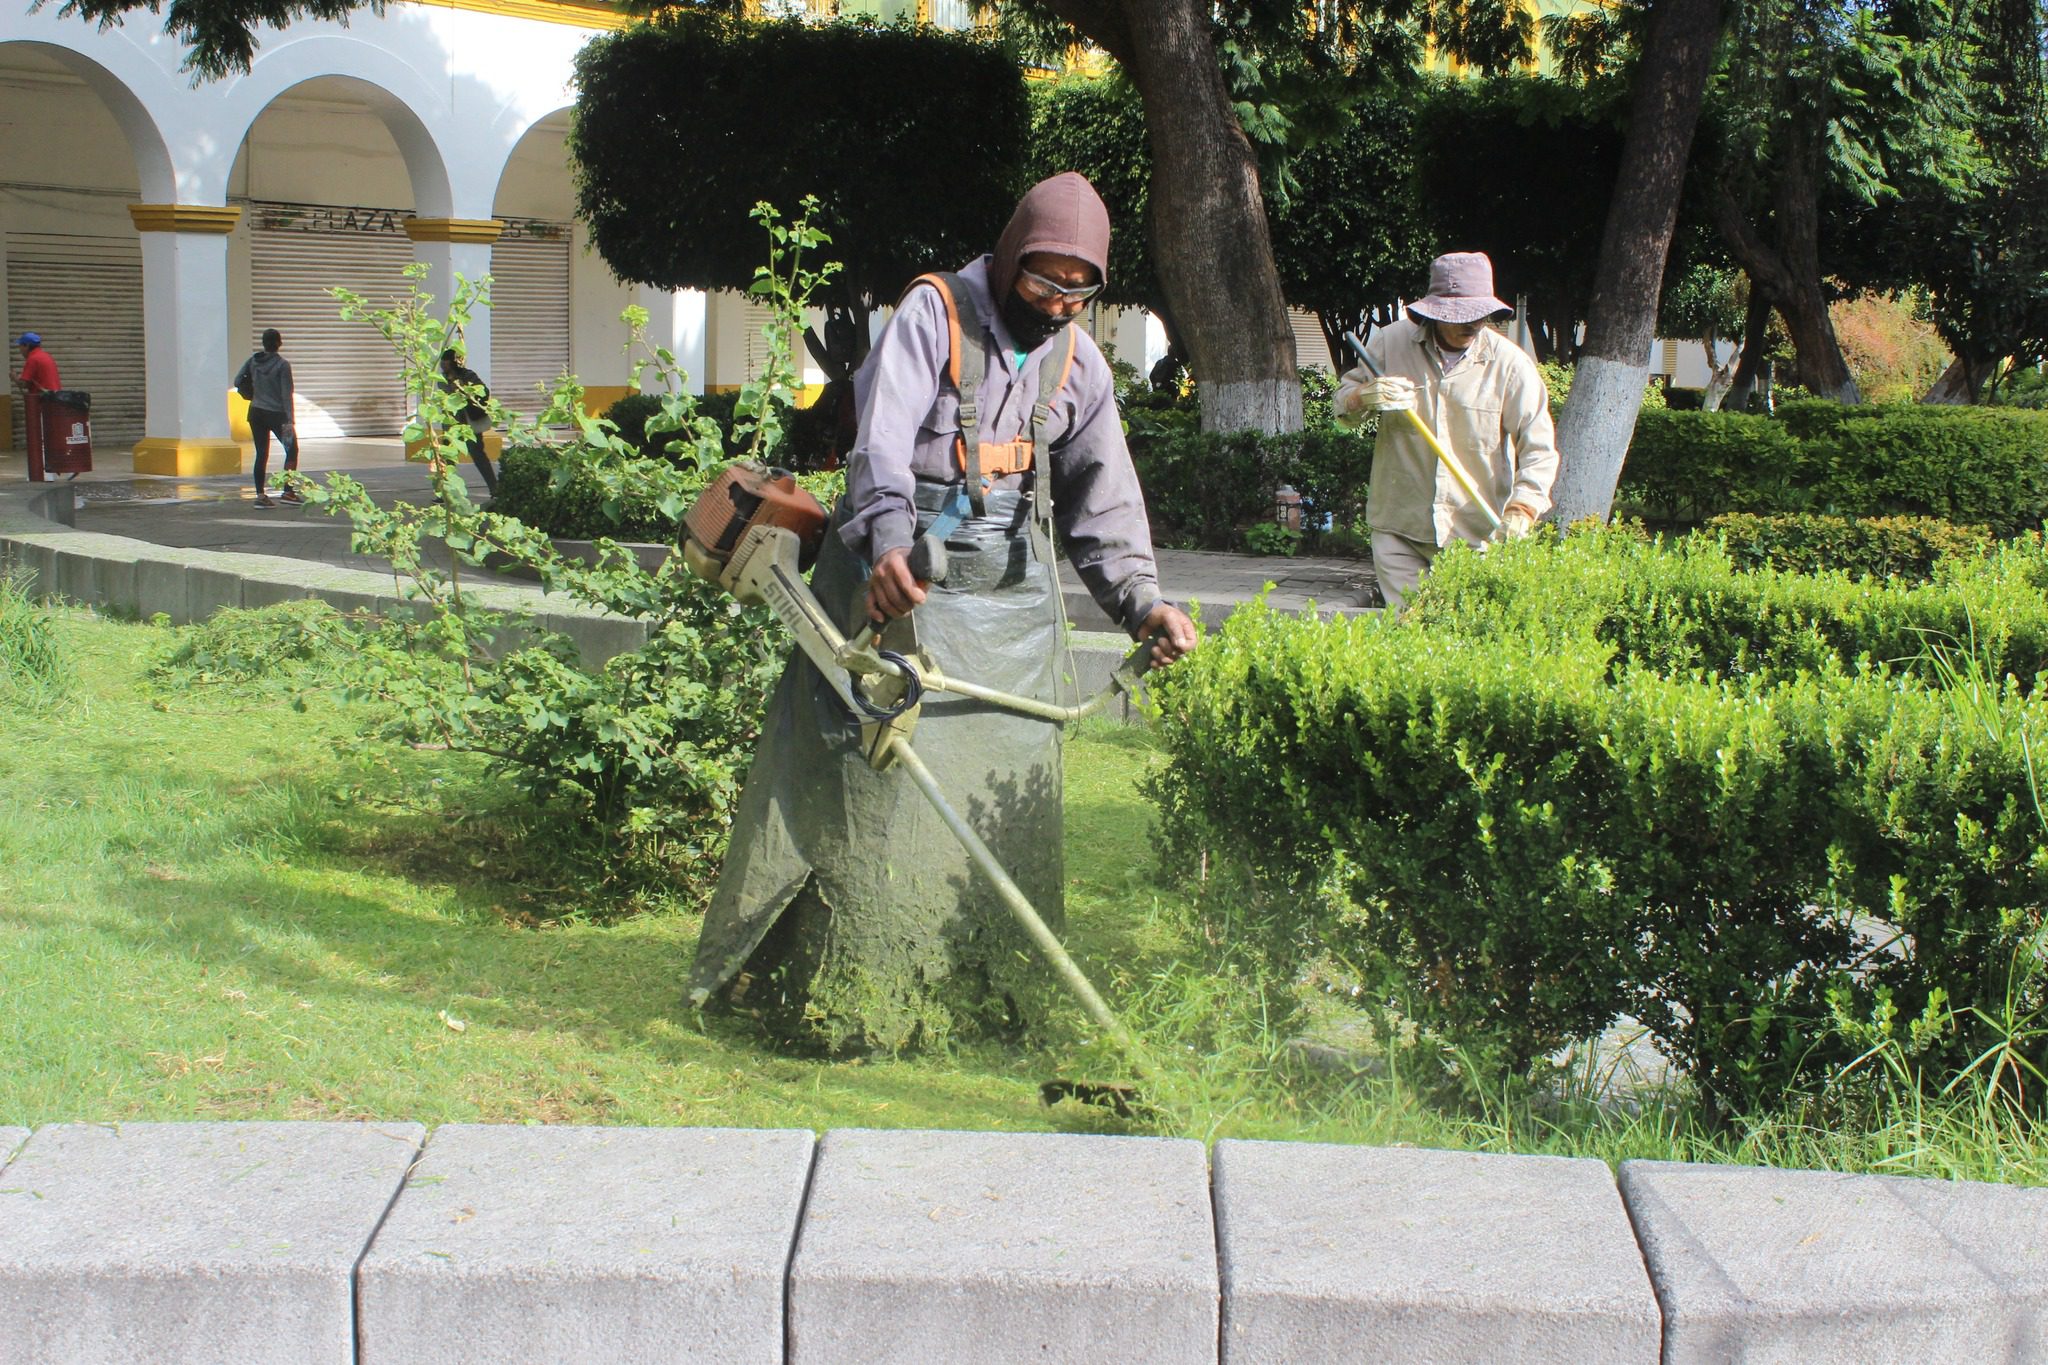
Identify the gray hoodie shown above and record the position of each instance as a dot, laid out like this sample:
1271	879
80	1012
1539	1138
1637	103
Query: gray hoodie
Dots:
270	384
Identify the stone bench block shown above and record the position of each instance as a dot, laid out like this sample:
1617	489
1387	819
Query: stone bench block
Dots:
159	582
37	557
1809	1266
598	637
11	1138
165	1242
993	1247
1336	1253
568	1244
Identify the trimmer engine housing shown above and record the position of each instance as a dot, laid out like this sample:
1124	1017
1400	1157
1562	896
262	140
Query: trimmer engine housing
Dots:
745	496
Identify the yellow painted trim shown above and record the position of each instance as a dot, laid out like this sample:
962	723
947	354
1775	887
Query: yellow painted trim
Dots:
209	218
482	231
542	11
598	397
176	456
238	418
805	396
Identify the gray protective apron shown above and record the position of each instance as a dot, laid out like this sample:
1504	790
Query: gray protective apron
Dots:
847	875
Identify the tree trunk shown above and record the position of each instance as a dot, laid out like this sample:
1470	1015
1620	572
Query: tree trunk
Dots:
1962	382
1614	362
1756	328
1209	238
1790	269
1720	375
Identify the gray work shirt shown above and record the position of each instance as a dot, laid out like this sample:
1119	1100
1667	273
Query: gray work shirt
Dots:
909	417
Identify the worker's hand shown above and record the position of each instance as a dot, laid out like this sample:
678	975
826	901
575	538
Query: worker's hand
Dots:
1388	393
1171	632
893	590
1516	522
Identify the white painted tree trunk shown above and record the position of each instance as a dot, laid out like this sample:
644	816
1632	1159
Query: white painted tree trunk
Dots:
1251	405
1593	436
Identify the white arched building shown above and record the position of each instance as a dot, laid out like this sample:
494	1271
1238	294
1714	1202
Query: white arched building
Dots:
152	227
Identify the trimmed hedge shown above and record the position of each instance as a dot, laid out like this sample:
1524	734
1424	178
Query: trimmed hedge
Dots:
1875	547
1972	466
1571	787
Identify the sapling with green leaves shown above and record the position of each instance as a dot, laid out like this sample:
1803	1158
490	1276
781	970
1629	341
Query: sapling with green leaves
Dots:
650	746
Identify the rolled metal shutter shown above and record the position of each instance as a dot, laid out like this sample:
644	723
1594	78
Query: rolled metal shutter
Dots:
529	313
346	377
1311	351
83	296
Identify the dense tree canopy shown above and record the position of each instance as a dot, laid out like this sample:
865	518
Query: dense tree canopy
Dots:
683	125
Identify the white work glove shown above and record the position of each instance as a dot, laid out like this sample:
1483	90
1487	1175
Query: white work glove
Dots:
1516	523
1389	393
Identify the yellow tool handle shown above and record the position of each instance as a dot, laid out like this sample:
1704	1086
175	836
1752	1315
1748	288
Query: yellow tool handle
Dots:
1450	462
1429	439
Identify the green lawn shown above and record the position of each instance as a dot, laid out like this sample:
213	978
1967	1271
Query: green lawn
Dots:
216	905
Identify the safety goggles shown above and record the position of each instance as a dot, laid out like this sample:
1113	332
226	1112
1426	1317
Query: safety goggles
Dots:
1045	290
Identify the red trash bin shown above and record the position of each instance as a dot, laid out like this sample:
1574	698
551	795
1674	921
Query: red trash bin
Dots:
66	431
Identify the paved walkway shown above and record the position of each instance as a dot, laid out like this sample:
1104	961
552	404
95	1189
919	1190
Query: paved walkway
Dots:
220	514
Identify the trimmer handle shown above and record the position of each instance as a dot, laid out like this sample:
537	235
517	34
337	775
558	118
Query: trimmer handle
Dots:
928	560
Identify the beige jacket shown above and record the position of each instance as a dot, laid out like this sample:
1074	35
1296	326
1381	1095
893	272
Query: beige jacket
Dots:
1492	412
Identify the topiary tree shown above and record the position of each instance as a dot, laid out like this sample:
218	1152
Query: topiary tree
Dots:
685	123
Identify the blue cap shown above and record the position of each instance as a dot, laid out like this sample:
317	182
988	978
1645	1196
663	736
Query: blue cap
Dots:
28	339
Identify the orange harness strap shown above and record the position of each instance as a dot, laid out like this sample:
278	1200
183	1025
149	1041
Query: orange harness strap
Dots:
981	463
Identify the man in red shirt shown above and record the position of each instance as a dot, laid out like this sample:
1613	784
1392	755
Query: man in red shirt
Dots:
38	376
38	370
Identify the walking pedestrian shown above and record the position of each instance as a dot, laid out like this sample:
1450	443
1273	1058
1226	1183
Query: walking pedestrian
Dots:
459	379
265	379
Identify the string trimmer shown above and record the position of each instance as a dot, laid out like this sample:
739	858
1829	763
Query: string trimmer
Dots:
753	532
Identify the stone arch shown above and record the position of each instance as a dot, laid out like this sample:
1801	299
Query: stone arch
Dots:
391	89
155	173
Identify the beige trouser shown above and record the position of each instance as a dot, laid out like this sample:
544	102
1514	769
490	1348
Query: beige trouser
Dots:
1399	564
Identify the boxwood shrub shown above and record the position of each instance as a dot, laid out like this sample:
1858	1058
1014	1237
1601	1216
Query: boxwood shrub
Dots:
1971	466
1739	806
1868	547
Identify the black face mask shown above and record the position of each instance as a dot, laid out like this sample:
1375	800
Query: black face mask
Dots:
1027	324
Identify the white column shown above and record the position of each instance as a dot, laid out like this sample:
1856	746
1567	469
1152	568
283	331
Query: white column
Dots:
188	368
689	337
458	246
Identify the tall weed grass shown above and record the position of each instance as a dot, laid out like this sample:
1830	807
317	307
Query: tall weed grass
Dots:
32	669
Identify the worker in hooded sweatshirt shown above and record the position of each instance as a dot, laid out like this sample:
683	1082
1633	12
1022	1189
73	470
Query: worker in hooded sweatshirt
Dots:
848	915
265	379
1485	401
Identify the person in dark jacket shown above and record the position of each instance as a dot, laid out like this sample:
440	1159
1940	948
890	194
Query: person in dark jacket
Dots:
456	378
265	379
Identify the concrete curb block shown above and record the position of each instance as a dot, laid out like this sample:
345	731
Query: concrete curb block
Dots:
329	1241
587	1244
192	1241
136	578
10	1139
1382	1253
922	1246
1818	1267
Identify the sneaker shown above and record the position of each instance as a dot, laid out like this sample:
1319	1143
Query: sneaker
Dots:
264	501
290	495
